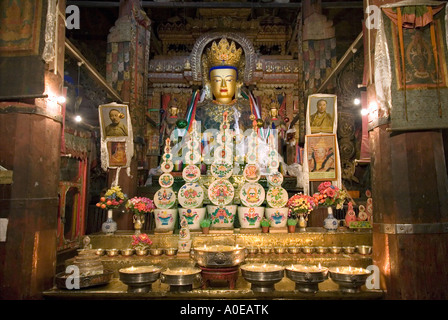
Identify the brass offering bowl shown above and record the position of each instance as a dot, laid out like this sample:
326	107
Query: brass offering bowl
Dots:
252	250
171	251
262	277
335	249
321	250
266	250
127	252
349	279
100	252
279	250
349	250
156	251
141	252
307	250
112	252
139	279
307	278
294	250
180	279
364	249
218	255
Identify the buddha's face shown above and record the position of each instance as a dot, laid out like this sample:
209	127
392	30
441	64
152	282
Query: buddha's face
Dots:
223	83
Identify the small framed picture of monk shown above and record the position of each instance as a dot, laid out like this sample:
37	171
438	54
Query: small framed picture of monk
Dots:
117	153
322	156
321	114
114	120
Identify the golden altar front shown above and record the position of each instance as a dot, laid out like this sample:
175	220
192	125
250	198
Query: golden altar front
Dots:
285	289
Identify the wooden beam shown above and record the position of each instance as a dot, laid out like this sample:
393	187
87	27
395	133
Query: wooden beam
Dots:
75	53
342	62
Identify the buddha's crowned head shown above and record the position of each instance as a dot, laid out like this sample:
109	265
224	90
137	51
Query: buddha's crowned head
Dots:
223	60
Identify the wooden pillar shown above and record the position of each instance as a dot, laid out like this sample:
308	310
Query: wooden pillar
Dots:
127	72
410	197
31	128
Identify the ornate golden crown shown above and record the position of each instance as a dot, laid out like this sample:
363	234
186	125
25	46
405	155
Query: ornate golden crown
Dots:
223	54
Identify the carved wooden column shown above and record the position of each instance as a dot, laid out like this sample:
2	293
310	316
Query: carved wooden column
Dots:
410	199
127	72
30	127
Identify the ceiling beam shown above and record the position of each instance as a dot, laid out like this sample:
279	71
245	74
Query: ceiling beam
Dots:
75	53
154	4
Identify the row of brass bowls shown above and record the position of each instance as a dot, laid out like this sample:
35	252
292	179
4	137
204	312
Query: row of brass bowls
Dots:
139	252
321	250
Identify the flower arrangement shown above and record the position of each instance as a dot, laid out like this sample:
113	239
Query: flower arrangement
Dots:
112	199
140	205
141	241
300	204
329	195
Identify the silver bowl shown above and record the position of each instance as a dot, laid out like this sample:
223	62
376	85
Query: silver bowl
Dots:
262	277
280	250
252	250
112	252
308	250
266	250
171	251
156	251
100	252
127	252
180	279
348	250
349	283
139	279
307	278
335	249
321	250
219	256
294	250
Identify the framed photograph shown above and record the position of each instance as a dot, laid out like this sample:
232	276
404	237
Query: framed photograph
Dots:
322	156
321	114
114	120
117	153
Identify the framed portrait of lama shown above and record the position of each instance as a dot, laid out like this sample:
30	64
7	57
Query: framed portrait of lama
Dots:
321	114
322	157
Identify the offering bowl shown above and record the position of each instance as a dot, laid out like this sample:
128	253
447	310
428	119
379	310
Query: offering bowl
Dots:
139	279
350	280
307	278
262	277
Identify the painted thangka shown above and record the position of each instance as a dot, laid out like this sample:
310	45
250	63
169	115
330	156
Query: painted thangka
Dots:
321	156
21	44
117	145
411	75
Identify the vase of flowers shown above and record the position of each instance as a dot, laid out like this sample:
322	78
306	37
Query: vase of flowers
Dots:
330	196
139	207
299	207
112	199
141	244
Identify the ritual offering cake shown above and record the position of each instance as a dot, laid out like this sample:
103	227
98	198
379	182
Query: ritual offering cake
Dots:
221	191
252	194
276	196
165	198
191	195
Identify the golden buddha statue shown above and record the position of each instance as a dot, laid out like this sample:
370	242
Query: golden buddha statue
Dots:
222	69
